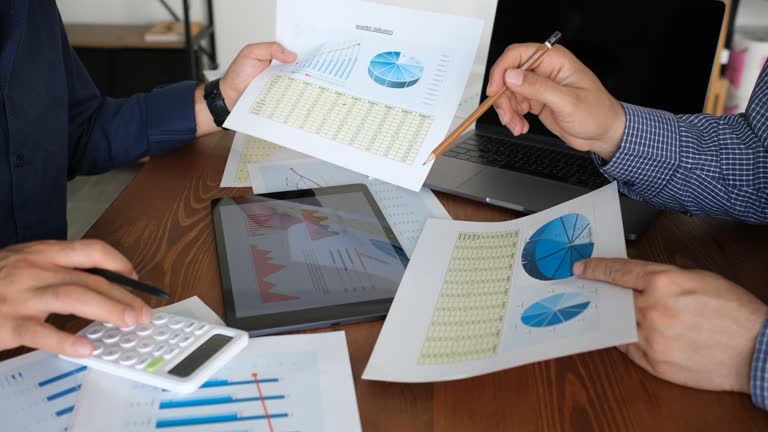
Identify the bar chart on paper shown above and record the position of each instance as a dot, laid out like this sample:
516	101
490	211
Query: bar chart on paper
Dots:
270	393
295	383
38	392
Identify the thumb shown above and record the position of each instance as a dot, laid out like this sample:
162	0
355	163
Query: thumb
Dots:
539	88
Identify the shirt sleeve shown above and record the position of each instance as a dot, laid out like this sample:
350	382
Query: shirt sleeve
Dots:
105	133
699	164
759	378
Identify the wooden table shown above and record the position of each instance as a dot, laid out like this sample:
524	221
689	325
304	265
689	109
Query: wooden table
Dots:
162	222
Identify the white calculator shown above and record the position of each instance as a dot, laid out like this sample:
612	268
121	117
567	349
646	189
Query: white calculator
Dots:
172	352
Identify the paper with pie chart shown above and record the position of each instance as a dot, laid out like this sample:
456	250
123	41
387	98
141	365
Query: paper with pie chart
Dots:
371	90
481	297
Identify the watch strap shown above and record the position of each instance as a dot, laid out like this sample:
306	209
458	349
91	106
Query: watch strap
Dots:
215	101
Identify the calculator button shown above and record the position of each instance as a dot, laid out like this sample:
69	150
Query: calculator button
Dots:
142	362
172	351
201	328
176	322
127	329
106	324
155	364
162	334
128	341
186	340
160	349
145	345
189	326
95	331
128	358
111	336
159	318
143	330
98	347
110	353
175	336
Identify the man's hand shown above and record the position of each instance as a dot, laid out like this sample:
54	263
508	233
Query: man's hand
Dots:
40	278
695	328
249	63
568	98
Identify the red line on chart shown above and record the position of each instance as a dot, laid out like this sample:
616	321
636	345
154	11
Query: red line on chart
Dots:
305	178
263	403
361	260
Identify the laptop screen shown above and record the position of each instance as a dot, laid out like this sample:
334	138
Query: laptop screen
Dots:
652	53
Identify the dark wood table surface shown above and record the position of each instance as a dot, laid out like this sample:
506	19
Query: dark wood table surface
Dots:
162	223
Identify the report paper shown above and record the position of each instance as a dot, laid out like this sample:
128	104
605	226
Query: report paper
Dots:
405	210
374	89
280	383
482	297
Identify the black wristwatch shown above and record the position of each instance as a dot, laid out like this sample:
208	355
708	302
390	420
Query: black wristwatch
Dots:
215	101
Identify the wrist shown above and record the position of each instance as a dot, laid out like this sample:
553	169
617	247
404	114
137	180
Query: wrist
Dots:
609	146
229	92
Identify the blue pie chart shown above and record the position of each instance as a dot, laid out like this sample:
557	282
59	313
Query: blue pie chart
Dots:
555	309
551	251
393	69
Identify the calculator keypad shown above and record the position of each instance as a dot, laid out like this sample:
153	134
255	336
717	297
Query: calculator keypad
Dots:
146	346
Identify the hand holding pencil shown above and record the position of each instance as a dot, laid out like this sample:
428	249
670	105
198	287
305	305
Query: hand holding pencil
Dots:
566	96
530	63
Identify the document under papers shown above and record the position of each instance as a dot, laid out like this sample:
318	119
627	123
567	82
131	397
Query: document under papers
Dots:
481	297
405	210
374	89
247	149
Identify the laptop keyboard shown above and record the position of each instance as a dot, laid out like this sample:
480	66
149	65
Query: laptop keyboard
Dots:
516	156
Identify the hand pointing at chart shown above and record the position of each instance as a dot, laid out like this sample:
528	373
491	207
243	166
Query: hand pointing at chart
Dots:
695	328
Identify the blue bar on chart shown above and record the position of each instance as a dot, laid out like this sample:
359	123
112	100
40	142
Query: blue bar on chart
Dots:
226	383
212	419
212	400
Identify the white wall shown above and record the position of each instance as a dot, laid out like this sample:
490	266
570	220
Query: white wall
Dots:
125	11
752	13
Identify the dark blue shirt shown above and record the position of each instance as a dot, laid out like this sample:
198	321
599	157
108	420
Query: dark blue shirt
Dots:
54	124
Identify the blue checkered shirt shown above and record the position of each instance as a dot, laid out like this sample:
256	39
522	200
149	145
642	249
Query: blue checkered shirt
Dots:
702	164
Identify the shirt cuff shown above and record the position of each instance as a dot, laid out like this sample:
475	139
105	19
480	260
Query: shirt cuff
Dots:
759	378
171	116
648	154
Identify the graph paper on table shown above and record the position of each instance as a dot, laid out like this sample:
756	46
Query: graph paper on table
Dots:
377	128
286	383
469	315
38	392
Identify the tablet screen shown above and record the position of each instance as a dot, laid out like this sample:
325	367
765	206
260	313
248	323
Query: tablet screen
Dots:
302	250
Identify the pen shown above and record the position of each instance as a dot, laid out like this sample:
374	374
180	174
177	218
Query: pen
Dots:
546	46
126	281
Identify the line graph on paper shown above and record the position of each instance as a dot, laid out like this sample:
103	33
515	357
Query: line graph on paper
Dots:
296	180
333	62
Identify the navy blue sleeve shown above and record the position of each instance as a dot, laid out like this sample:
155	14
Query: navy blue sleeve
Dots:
105	133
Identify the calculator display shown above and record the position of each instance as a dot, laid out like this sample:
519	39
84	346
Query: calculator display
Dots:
200	355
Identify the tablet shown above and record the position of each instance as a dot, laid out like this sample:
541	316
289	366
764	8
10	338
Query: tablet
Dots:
305	259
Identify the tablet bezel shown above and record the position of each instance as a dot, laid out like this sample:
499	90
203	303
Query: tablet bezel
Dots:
302	319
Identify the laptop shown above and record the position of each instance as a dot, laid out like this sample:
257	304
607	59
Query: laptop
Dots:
655	53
